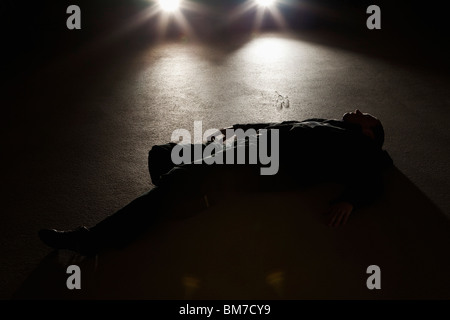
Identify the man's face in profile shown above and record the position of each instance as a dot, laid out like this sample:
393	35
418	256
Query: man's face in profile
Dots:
365	120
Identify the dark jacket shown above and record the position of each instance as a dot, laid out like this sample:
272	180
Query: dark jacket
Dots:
311	151
319	150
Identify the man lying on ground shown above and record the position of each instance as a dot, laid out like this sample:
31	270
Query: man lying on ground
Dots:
347	151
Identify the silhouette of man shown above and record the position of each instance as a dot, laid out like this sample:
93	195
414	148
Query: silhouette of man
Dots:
348	151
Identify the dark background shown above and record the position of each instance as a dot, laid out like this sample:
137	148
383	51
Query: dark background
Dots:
37	29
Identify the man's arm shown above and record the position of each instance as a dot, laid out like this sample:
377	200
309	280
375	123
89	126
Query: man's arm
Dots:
363	187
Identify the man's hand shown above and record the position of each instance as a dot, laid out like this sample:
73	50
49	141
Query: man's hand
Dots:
339	213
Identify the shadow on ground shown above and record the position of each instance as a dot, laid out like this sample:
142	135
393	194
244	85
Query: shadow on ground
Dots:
270	246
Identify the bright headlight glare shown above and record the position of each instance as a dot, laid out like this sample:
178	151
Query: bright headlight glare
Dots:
169	5
265	3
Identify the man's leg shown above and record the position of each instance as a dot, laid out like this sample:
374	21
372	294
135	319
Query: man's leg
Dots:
180	184
160	159
128	222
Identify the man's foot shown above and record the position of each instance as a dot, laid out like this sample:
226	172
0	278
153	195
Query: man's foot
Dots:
79	240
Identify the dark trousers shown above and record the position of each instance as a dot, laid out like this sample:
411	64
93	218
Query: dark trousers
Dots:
189	188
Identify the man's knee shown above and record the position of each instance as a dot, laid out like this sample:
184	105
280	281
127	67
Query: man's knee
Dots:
160	161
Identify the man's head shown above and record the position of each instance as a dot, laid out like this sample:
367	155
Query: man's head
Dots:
370	126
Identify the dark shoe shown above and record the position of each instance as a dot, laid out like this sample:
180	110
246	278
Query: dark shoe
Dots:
79	240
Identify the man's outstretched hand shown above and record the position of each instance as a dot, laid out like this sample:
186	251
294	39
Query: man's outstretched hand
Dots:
340	212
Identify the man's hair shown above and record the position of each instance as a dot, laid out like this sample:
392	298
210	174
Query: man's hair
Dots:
378	132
